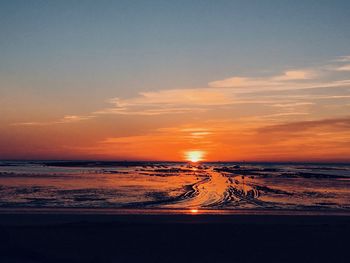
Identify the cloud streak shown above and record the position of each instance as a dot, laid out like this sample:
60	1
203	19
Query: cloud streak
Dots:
344	68
64	120
273	82
230	92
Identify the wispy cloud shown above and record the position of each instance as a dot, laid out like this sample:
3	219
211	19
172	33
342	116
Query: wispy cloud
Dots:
292	105
342	59
65	119
295	75
230	92
343	68
168	102
256	140
265	82
233	93
335	124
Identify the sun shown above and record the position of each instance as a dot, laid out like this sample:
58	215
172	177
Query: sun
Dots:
194	156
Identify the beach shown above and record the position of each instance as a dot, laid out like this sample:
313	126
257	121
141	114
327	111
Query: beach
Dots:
173	212
105	236
174	131
175	185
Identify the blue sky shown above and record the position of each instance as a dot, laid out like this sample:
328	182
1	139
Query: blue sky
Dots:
187	42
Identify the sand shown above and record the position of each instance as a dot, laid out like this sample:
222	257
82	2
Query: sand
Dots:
85	236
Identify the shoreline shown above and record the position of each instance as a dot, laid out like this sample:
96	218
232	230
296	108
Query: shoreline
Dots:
171	211
35	217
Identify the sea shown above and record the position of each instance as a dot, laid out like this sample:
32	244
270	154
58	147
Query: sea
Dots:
175	186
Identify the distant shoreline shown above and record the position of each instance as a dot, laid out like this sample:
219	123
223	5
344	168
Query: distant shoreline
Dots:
72	163
45	216
150	212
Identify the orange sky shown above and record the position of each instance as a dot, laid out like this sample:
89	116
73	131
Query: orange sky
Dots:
289	117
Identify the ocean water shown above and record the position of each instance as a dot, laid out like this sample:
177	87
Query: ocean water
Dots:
161	185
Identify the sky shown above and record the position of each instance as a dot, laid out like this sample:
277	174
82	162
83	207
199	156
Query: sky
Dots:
157	80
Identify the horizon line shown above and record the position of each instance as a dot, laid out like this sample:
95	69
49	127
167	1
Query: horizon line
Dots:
173	161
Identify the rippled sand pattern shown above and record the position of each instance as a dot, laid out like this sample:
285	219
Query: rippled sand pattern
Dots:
176	186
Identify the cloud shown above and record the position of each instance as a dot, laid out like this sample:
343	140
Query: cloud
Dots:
223	139
235	82
176	96
342	59
156	143
235	91
323	139
343	68
335	124
75	118
339	64
292	105
271	82
227	93
65	119
295	75
169	102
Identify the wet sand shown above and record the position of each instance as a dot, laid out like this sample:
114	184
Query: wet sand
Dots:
55	236
174	213
159	185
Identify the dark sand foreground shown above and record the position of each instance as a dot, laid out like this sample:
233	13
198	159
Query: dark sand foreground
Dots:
85	237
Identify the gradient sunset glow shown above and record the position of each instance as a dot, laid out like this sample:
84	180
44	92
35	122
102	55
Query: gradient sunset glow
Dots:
176	82
194	156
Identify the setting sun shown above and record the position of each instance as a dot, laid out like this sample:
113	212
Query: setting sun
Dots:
194	156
